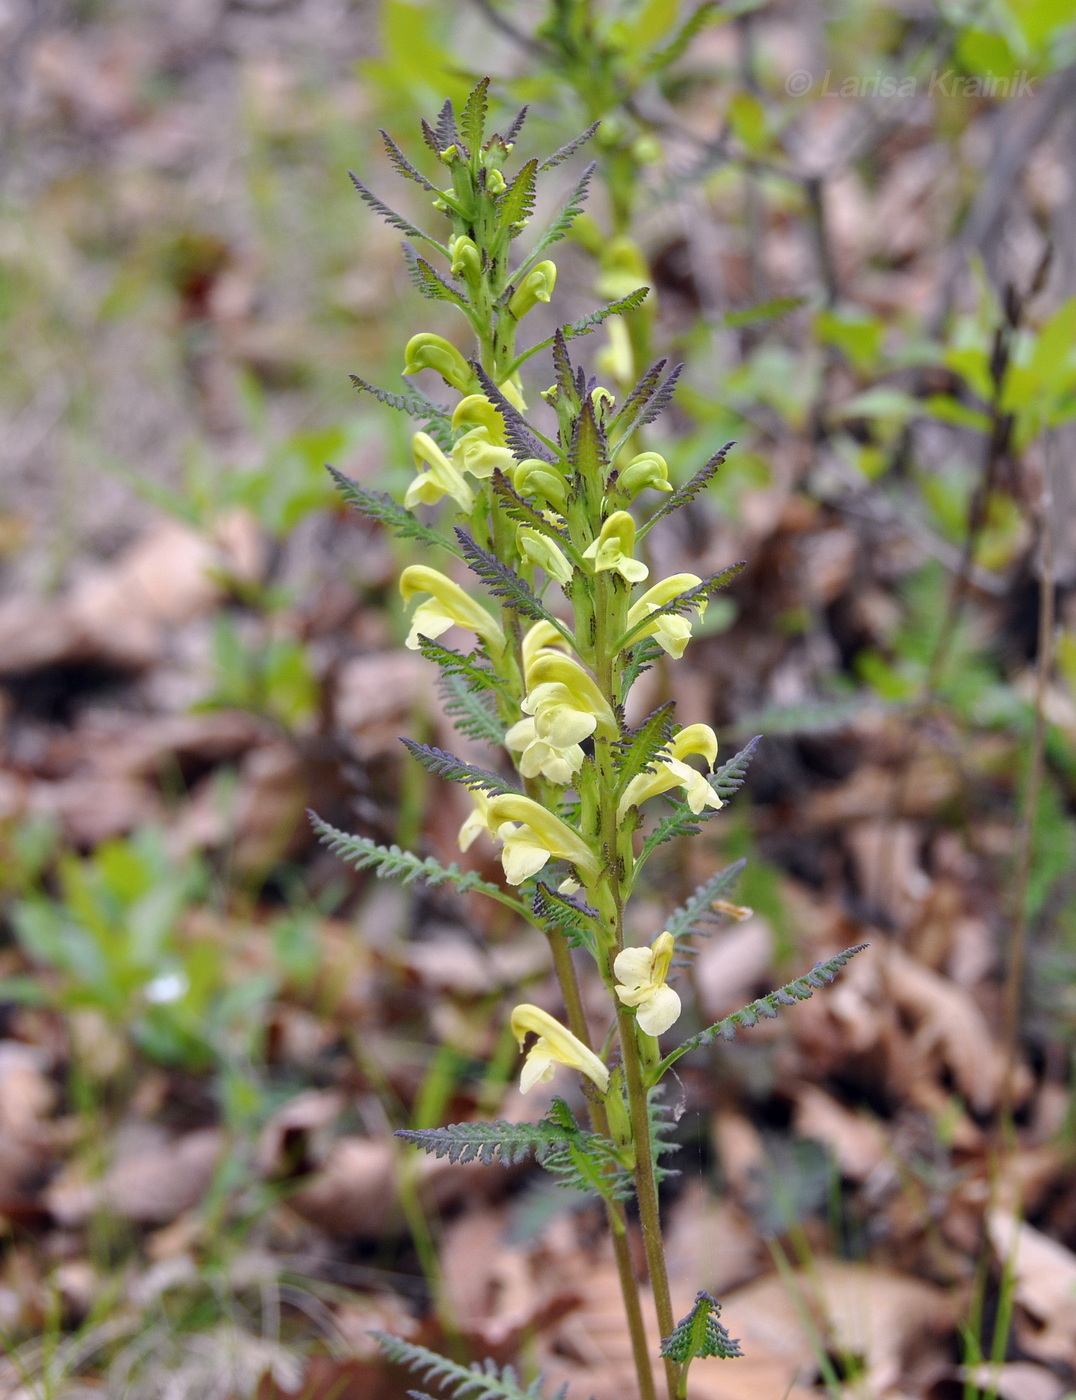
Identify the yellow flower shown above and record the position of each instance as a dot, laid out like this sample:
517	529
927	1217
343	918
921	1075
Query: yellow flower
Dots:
674	772
429	351
534	477
613	548
466	259
672	631
449	606
558	763
482	449
536	286
544	552
537	638
442	478
566	707
555	1046
641	974
532	835
477	822
647	469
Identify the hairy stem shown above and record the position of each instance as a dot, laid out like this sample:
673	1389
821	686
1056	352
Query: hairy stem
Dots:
646	1188
618	1224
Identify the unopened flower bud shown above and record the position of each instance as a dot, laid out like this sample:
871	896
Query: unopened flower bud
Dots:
536	286
429	351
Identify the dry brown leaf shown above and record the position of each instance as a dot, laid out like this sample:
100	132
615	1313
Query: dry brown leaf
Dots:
354	1193
153	1178
889	875
951	1032
376	694
1016	1380
93	809
874	792
284	1142
858	1143
731	965
878	1316
1044	1273
710	1243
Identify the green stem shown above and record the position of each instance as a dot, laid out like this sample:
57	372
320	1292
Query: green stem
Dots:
618	1224
646	1188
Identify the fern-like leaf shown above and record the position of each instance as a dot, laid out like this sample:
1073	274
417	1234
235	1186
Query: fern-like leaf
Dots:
412	401
681	821
404	166
516	204
521	511
391	217
640	658
561	225
433	285
662	1119
391	863
518	433
767	1007
475	1382
471	712
473	117
645	402
588	455
378	505
700	1334
502	582
475	674
569	148
637	750
639	395
586	324
690	489
443	764
729	778
515	126
691	918
447	131
565	915
691	598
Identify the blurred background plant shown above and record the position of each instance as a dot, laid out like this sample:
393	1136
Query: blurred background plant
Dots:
859	228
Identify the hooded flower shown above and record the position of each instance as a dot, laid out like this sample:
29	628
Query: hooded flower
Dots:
613	548
534	477
429	351
674	772
536	286
671	630
647	469
482	449
532	835
641	974
544	552
441	477
567	707
477	822
448	606
555	1046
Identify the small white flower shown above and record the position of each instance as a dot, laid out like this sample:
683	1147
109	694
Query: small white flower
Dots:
641	974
